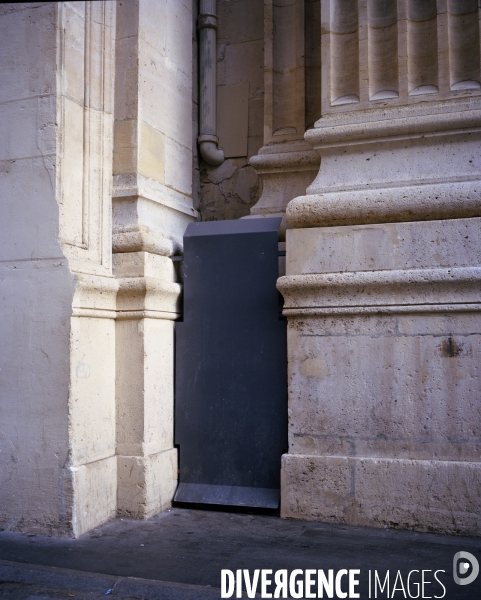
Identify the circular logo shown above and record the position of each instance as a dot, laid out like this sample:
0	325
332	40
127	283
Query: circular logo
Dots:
462	562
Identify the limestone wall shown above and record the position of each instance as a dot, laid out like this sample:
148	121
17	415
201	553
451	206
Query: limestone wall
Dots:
383	273
79	440
35	281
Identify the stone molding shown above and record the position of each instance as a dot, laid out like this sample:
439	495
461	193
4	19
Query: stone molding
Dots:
85	133
142	238
146	483
394	188
380	291
137	238
130	234
272	159
394	309
431	201
132	185
286	169
139	297
95	296
375	125
126	298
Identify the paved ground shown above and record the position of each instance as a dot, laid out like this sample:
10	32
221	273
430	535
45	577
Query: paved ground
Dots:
180	554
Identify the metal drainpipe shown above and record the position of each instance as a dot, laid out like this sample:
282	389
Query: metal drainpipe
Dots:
208	140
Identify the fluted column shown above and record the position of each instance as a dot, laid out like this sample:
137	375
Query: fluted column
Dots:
390	61
291	103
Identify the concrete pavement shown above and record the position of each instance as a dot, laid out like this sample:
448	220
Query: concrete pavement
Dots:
180	554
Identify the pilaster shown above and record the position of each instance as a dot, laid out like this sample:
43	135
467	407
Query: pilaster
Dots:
152	205
85	73
152	190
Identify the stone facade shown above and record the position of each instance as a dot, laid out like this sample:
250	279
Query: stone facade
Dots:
359	124
98	191
383	277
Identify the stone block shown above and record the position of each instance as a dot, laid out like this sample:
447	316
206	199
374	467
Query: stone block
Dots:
18	123
145	382
315	488
160	78
26	34
72	190
416	245
92	392
173	39
256	117
143	264
158	385
409	162
95	494
126	78
240	21
126	147
73	53
129	392
416	399
19	185
243	62
127	21
176	157
437	496
146	484
232	133
254	144
151	160
34	379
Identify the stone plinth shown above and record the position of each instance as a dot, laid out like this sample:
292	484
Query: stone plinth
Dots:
384	339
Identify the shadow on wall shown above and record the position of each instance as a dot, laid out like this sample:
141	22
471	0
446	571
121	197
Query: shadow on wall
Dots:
228	191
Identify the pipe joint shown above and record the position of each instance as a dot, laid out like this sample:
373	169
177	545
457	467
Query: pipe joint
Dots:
204	21
209	151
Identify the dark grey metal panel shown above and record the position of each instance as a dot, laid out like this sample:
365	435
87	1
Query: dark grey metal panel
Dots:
236	227
227	495
231	365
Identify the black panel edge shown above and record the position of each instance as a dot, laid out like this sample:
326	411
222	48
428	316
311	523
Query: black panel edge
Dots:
233	227
227	495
